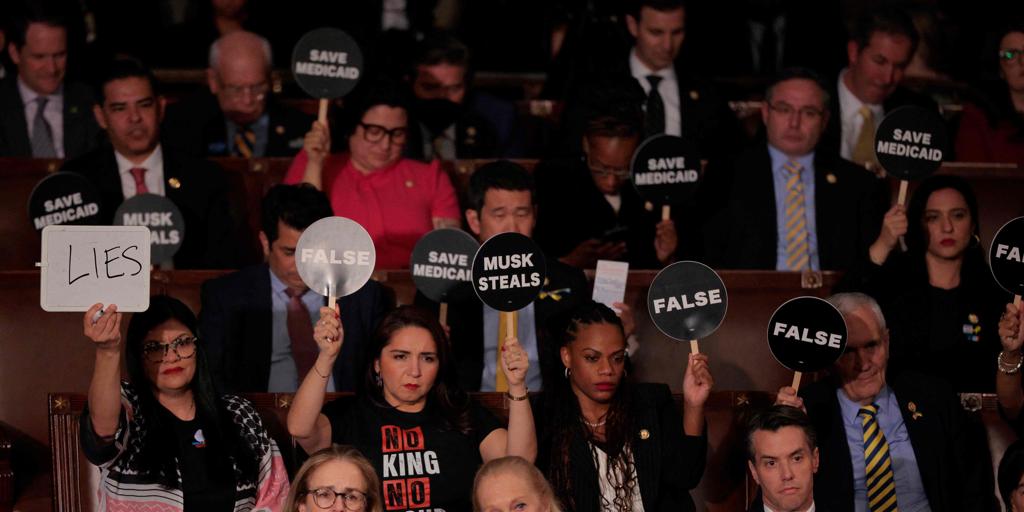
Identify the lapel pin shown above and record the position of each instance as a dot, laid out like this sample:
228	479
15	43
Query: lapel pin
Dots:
831	178
912	407
409	184
694	95
645	434
471	131
175	183
279	130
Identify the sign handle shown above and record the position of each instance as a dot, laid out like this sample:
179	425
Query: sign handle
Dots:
901	200
331	301
1016	300
796	380
666	212
322	115
694	349
443	316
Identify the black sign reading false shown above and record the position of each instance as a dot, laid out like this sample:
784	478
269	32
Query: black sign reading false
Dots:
1006	256
807	334
335	256
442	265
64	198
162	217
909	142
687	300
508	271
665	169
327	63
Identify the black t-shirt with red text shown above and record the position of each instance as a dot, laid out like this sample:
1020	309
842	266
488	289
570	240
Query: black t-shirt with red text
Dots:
423	465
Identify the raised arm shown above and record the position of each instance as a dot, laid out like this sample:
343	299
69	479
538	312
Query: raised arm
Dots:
894	225
306	424
521	437
1008	382
317	145
697	384
105	387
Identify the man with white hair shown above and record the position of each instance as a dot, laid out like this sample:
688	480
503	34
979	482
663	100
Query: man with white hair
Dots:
238	117
898	442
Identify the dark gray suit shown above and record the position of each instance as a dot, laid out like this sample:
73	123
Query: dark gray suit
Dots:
81	133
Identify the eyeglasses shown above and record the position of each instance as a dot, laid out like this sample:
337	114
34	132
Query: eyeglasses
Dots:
1008	54
324	497
258	91
376	133
785	109
600	171
184	347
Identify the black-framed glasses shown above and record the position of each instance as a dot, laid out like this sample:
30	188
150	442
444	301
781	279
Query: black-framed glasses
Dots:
601	171
376	133
183	346
785	109
1008	54
352	500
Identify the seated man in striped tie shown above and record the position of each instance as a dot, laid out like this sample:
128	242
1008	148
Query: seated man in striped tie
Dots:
786	204
897	443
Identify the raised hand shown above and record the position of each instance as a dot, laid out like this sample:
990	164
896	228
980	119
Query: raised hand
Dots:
105	332
697	382
1011	336
894	225
514	363
787	396
666	240
317	143
328	332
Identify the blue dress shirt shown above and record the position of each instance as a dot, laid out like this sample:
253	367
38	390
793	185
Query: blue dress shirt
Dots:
527	330
284	377
779	178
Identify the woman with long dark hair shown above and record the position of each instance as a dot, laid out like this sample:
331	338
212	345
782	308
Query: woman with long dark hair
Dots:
940	301
165	438
607	443
423	435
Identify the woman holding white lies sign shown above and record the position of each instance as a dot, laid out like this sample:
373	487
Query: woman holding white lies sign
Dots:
606	443
422	434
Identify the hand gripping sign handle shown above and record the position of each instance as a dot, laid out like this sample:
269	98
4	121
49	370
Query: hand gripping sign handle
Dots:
902	200
796	380
507	321
1016	301
322	114
694	349
666	212
443	316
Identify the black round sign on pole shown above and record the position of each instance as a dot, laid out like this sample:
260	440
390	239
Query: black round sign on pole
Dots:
807	334
665	169
442	265
910	142
1006	256
687	301
63	198
508	272
163	218
327	63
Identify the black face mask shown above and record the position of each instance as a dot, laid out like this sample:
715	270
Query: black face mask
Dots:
436	114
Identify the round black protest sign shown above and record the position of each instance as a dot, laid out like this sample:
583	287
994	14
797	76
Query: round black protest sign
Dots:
442	265
1007	256
335	256
910	141
665	169
63	198
508	271
807	334
327	63
162	217
687	300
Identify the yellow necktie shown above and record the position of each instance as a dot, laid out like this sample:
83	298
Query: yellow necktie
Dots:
880	479
797	247
507	323
244	142
864	150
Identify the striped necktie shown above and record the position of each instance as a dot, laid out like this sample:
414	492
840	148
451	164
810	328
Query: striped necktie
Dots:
881	482
245	140
797	247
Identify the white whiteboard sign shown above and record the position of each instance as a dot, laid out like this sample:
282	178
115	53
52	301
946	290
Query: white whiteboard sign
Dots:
83	265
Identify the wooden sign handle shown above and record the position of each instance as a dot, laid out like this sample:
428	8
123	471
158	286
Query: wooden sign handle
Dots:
796	380
901	200
1016	301
322	114
443	315
331	301
694	349
666	212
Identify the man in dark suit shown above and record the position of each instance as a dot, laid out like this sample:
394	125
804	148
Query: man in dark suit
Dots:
890	441
239	117
130	110
782	456
45	116
247	317
879	50
501	199
791	205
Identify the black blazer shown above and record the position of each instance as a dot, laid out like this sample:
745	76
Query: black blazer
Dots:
81	133
200	194
668	462
466	322
951	449
831	139
849	205
197	127
235	324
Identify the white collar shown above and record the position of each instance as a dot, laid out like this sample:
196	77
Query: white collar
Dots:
849	103
769	509
153	161
28	95
638	69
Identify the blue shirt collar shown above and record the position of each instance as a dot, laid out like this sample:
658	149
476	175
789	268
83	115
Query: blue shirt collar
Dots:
851	410
779	158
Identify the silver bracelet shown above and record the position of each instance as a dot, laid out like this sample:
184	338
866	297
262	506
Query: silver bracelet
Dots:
1009	370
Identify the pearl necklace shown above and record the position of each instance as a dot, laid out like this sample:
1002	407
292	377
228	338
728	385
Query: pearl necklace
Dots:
595	425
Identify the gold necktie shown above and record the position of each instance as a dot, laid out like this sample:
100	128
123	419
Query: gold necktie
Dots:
880	479
797	247
864	150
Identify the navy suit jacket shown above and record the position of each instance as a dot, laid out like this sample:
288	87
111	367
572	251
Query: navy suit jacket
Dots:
81	133
235	324
196	126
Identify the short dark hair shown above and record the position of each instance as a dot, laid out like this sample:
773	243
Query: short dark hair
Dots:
658	5
798	73
121	68
614	107
441	48
297	206
1011	467
378	91
888	20
27	13
501	174
776	417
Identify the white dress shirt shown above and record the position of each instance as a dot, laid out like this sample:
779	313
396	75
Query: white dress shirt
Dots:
154	177
851	120
668	88
54	114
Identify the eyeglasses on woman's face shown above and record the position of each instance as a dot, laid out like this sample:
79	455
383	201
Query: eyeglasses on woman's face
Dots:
325	497
184	347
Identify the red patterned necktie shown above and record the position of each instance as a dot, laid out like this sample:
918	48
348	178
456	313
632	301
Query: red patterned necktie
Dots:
300	331
139	174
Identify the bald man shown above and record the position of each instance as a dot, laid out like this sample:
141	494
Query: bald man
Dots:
238	117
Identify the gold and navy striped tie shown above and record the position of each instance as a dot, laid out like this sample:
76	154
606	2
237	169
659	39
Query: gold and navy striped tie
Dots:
245	139
797	246
881	482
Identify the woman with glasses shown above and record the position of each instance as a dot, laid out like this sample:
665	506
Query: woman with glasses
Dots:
422	434
335	478
992	126
396	199
165	439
